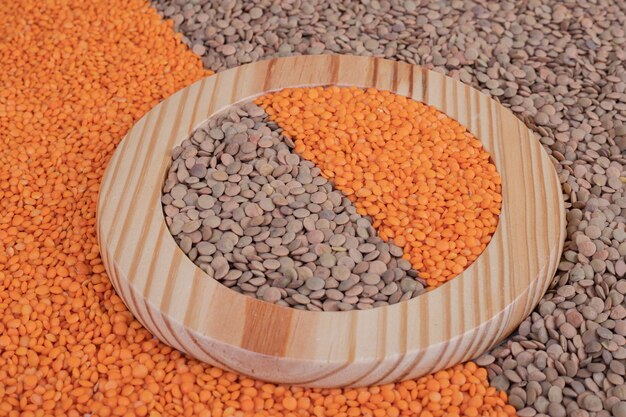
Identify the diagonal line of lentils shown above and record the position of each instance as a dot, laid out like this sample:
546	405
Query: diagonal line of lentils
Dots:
424	179
262	221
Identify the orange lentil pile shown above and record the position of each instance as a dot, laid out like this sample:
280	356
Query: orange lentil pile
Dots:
75	76
427	183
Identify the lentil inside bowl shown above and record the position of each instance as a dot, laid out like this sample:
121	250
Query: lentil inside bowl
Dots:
333	198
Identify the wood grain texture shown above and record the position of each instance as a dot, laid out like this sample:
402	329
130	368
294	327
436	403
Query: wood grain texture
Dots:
190	311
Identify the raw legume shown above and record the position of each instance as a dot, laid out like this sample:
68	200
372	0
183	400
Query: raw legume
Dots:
264	235
75	75
424	179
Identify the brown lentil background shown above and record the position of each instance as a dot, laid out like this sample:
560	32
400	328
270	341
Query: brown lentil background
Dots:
559	66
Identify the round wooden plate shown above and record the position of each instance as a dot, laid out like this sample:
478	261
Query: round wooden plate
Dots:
459	320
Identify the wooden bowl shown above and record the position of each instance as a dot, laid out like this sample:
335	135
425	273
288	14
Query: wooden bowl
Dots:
458	321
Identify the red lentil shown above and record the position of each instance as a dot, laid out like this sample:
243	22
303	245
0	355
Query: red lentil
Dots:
75	76
423	178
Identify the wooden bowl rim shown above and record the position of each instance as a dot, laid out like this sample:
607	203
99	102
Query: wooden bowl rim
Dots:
255	326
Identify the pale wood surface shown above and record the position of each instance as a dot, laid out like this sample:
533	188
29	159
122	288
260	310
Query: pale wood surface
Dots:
190	311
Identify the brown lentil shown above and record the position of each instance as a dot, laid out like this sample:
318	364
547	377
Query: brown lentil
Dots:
267	238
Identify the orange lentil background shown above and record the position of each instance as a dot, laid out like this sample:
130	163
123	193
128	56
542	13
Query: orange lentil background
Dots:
427	183
74	76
